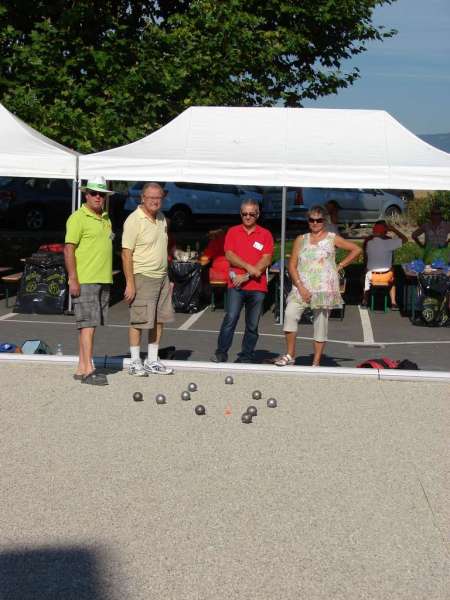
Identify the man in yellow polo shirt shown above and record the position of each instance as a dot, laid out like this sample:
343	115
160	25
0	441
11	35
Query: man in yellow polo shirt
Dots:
144	258
88	257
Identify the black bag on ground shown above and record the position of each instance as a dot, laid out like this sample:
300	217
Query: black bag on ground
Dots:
43	287
186	277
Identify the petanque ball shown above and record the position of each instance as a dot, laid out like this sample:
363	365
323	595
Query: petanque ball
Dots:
246	418
160	399
185	395
271	403
200	409
256	395
192	387
138	397
229	380
252	411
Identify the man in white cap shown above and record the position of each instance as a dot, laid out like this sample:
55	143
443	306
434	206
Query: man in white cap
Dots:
88	257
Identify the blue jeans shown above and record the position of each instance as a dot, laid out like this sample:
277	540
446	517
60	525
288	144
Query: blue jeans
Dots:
236	299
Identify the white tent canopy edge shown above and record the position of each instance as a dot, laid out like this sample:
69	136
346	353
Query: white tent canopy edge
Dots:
279	147
24	152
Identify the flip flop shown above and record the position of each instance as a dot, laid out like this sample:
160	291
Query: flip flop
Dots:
95	378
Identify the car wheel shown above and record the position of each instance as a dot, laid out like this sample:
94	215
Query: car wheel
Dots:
180	218
34	218
392	212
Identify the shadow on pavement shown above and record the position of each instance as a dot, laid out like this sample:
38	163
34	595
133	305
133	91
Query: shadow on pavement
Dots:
71	573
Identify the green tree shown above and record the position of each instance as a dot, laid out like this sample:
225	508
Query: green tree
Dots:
97	75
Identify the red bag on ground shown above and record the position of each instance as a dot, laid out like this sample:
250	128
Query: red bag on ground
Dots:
379	363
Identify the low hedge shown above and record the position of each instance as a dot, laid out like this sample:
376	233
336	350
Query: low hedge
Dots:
404	254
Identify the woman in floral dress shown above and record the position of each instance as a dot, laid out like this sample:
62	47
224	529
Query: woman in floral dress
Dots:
315	279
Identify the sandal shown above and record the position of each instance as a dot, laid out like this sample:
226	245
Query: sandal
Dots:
284	360
395	307
78	377
95	378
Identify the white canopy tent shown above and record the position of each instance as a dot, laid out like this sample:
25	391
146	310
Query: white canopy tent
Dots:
279	147
26	153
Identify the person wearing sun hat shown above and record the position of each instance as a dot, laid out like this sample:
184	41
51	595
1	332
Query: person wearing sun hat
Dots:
88	257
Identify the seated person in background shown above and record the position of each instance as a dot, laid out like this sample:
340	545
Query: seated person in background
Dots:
333	214
436	231
378	249
214	253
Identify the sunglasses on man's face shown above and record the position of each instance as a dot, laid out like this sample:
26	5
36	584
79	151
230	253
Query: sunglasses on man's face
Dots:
249	214
101	194
320	220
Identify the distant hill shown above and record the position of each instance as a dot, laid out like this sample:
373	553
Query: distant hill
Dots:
439	140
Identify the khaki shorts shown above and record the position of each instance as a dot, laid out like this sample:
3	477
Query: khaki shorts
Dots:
152	303
293	314
91	306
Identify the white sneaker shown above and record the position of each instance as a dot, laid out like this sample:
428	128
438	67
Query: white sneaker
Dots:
136	368
157	368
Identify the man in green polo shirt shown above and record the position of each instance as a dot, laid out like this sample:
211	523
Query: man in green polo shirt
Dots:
88	256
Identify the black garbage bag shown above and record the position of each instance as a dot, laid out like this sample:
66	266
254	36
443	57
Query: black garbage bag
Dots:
43	287
186	277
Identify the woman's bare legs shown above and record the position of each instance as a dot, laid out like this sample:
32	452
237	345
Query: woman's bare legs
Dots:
291	337
318	351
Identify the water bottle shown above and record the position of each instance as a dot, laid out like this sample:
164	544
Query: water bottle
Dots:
233	276
59	350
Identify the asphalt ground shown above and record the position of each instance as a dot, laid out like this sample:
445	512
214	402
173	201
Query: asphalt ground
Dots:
340	492
360	335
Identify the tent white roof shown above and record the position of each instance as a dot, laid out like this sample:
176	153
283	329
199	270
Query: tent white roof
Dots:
26	153
279	147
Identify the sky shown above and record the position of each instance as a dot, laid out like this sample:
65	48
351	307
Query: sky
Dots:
407	75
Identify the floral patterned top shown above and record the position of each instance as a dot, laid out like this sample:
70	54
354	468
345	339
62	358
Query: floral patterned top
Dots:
317	271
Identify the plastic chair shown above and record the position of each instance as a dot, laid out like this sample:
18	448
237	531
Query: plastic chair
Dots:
379	289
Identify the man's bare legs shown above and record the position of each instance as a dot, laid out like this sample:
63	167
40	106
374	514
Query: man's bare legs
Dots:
392	295
154	335
86	350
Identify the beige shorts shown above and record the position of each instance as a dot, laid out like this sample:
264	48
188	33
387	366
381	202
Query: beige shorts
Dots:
293	314
152	303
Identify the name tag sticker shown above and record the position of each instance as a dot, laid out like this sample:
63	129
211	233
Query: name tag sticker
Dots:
258	245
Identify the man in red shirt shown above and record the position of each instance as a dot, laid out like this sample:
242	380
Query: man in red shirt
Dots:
248	249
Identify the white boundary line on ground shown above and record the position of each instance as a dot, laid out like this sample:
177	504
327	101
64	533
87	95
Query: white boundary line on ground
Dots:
366	326
356	343
192	319
7	316
185	365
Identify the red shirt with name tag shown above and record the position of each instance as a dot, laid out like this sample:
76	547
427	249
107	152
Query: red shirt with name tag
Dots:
250	247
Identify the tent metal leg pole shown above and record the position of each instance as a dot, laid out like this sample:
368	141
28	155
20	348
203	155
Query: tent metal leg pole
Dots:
74	205
282	251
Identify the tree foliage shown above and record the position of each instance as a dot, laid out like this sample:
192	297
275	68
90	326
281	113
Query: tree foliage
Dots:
97	75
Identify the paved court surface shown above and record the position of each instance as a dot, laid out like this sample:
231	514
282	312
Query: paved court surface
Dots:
356	338
341	492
